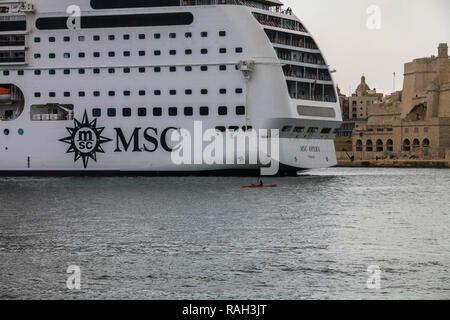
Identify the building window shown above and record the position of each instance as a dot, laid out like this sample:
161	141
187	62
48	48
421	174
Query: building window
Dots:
204	111
223	111
111	112
142	112
157	112
126	112
96	112
188	111
240	110
369	146
173	111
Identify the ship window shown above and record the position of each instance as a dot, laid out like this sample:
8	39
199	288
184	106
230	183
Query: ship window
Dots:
66	94
96	54
157	36
286	129
221	129
96	71
204	111
126	112
141	53
111	70
188	51
233	128
141	70
188	91
240	110
66	39
172	35
157	112
81	94
173	111
142	112
51	71
142	36
81	71
126	70
37	94
111	93
142	92
204	51
52	94
299	129
126	53
223	91
204	34
126	37
223	111
239	91
96	93
81	38
325	130
96	38
173	52
111	53
157	53
188	68
157	69
51	112
157	92
223	50
204	91
188	35
313	130
66	55
188	111
111	112
38	72
204	68
173	69
239	50
223	67
20	73
96	112
222	33
51	39
6	73
173	92
81	55
66	71
37	55
111	37
127	93
37	39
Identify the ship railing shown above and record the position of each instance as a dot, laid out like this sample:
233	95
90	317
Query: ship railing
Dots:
320	98
247	3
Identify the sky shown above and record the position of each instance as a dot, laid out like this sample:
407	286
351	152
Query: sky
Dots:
404	31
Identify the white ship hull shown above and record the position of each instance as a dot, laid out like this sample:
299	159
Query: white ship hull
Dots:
146	67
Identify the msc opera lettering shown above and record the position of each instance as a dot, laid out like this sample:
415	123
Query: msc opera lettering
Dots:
134	142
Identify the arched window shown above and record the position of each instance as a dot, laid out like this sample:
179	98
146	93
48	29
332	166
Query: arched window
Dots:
369	146
416	144
11	102
406	145
359	145
380	145
426	143
390	145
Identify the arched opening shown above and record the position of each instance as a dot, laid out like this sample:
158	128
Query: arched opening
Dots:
369	146
359	145
11	102
390	145
416	144
426	143
406	145
380	145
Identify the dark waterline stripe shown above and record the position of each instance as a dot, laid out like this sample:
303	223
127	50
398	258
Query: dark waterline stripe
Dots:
119	21
122	4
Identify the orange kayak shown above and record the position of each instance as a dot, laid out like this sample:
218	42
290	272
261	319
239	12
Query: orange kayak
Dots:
259	186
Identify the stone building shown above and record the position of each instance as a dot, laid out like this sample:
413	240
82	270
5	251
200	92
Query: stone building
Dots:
413	123
361	100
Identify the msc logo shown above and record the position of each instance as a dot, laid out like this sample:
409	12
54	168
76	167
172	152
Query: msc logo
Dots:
85	140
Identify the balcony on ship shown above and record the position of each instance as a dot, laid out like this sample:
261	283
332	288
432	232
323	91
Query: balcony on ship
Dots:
278	22
312	91
292	40
269	5
300	57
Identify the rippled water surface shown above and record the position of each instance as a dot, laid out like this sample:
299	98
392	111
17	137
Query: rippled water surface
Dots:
312	237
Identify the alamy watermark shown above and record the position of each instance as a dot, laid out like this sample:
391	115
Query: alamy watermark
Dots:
374	19
374	280
74	280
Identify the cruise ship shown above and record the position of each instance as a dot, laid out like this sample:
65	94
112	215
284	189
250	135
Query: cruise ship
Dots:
92	86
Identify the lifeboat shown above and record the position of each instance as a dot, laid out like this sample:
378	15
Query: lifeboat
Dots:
5	94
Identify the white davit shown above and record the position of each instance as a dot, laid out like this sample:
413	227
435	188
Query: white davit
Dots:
151	86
